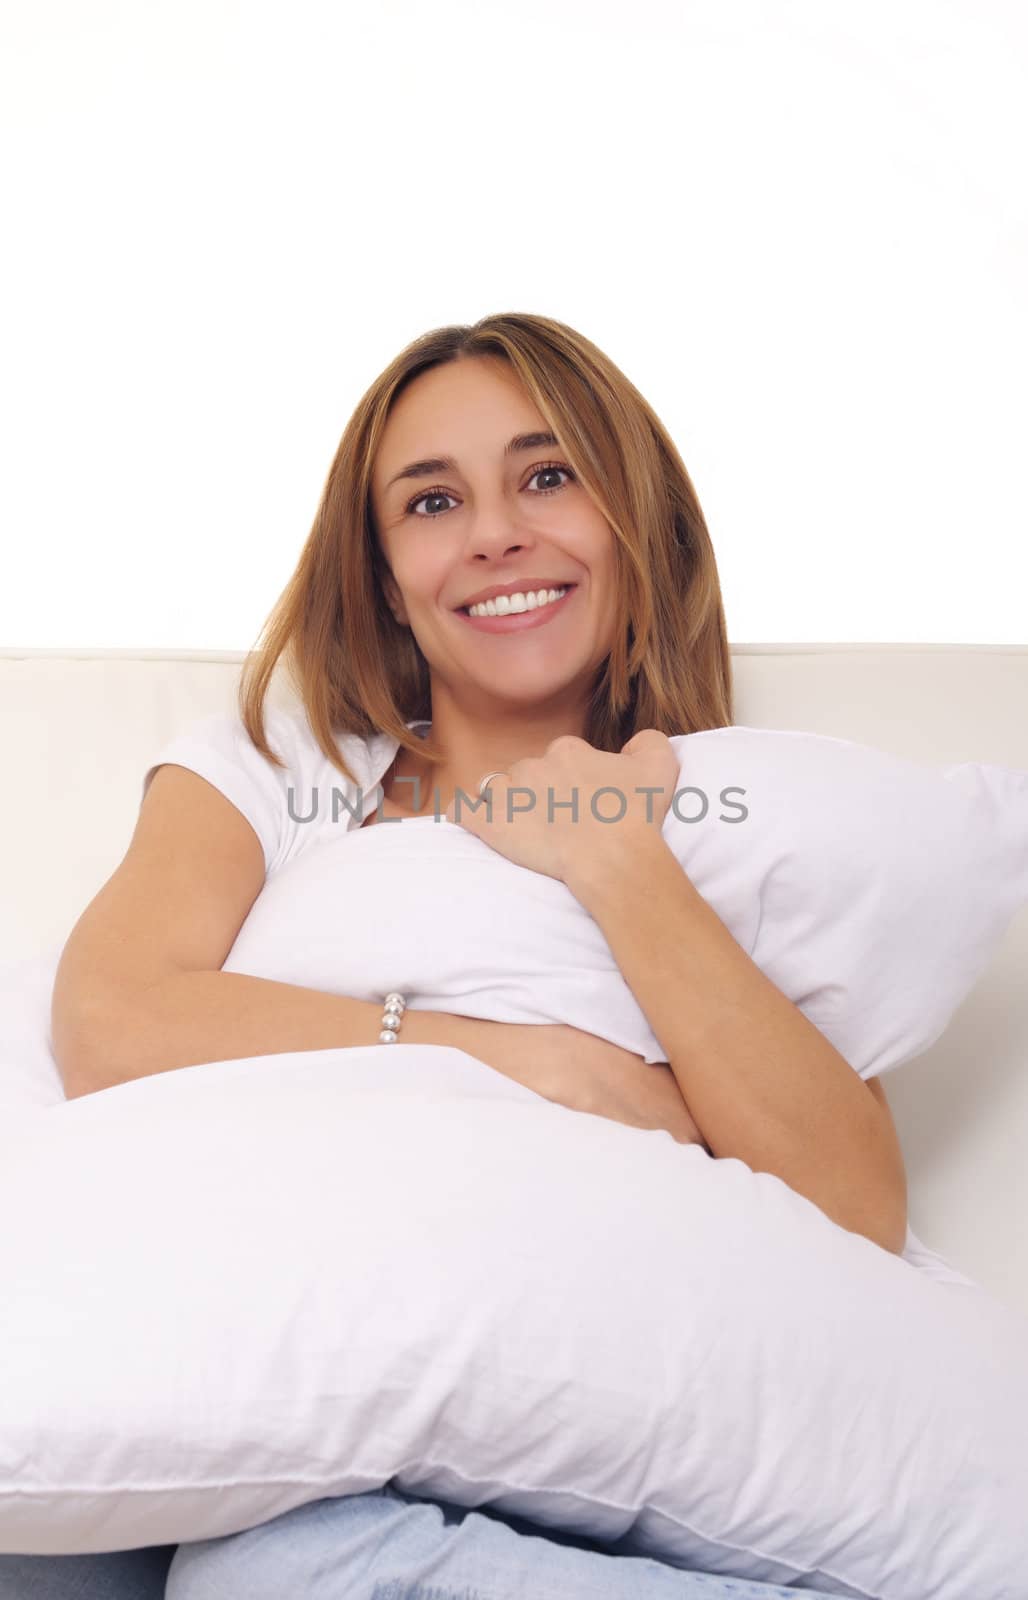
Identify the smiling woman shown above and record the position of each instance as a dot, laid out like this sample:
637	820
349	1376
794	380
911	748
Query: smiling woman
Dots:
509	555
509	550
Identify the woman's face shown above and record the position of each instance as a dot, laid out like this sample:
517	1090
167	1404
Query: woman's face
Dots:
490	520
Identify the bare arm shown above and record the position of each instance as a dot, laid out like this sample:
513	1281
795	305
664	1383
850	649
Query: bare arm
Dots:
188	1017
766	1085
139	987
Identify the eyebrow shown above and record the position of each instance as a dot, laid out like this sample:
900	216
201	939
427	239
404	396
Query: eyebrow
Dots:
434	464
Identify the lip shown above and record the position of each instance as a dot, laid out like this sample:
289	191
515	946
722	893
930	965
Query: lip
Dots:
524	586
518	621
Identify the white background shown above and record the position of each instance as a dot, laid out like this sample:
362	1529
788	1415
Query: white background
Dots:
799	226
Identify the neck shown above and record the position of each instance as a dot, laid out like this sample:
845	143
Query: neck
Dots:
475	745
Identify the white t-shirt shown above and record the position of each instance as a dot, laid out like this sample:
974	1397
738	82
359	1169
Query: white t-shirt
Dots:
418	905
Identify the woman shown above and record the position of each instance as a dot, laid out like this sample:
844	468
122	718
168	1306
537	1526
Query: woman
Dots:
508	457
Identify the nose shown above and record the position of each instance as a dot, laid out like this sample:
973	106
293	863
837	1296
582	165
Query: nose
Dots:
494	535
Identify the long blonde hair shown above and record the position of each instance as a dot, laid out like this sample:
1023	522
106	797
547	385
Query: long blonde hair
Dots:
357	670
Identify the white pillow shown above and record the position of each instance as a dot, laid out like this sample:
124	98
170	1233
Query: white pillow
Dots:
872	890
239	1287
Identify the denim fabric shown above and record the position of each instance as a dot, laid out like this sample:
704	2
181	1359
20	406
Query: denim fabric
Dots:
383	1545
123	1575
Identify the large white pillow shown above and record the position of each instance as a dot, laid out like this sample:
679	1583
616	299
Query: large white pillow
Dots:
31	1084
242	1286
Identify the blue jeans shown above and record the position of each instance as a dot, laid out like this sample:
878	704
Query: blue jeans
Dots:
383	1545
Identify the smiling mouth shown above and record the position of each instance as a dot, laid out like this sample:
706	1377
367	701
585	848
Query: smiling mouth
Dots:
517	621
465	611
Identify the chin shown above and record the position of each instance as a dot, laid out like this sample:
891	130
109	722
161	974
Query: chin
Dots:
531	693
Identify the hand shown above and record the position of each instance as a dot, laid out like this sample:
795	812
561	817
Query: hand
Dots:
573	770
581	1071
645	1095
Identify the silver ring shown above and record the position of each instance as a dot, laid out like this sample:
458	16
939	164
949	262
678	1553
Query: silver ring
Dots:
485	781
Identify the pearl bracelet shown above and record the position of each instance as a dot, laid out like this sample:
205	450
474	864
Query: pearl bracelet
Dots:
392	1017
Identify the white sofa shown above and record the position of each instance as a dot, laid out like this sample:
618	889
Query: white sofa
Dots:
80	728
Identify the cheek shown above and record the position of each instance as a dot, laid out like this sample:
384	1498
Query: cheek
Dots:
421	576
603	565
601	545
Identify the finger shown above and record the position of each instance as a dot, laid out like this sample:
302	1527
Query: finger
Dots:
641	735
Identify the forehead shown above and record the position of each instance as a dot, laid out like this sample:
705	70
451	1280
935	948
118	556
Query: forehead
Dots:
466	408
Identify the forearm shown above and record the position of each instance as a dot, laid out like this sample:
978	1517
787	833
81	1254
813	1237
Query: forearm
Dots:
762	1081
188	1018
192	1017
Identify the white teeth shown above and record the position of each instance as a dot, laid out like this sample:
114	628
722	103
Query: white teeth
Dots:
506	604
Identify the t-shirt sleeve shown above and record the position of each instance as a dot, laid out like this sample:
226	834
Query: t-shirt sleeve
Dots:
219	748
